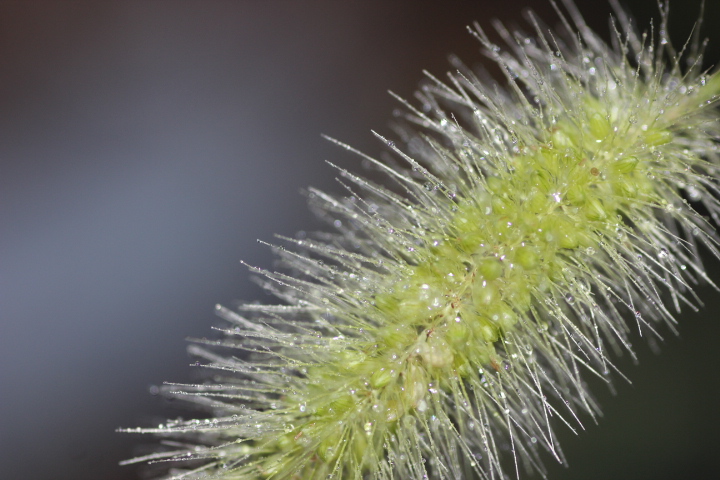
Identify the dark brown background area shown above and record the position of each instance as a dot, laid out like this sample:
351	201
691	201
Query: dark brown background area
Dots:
146	145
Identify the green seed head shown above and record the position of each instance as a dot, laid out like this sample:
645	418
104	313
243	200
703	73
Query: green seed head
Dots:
448	326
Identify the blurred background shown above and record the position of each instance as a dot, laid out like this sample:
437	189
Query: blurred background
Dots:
146	145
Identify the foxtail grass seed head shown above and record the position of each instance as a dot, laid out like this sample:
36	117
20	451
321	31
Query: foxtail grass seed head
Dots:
448	323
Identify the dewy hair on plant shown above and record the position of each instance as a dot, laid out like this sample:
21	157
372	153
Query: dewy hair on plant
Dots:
449	322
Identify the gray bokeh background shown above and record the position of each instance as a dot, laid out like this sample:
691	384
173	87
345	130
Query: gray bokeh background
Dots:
146	145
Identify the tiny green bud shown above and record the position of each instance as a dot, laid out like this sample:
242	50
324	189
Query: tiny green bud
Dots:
484	293
527	257
381	378
625	165
490	268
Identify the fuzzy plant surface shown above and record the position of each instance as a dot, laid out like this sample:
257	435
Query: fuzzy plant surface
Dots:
450	320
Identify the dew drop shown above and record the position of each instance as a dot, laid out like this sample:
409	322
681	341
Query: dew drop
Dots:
693	193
